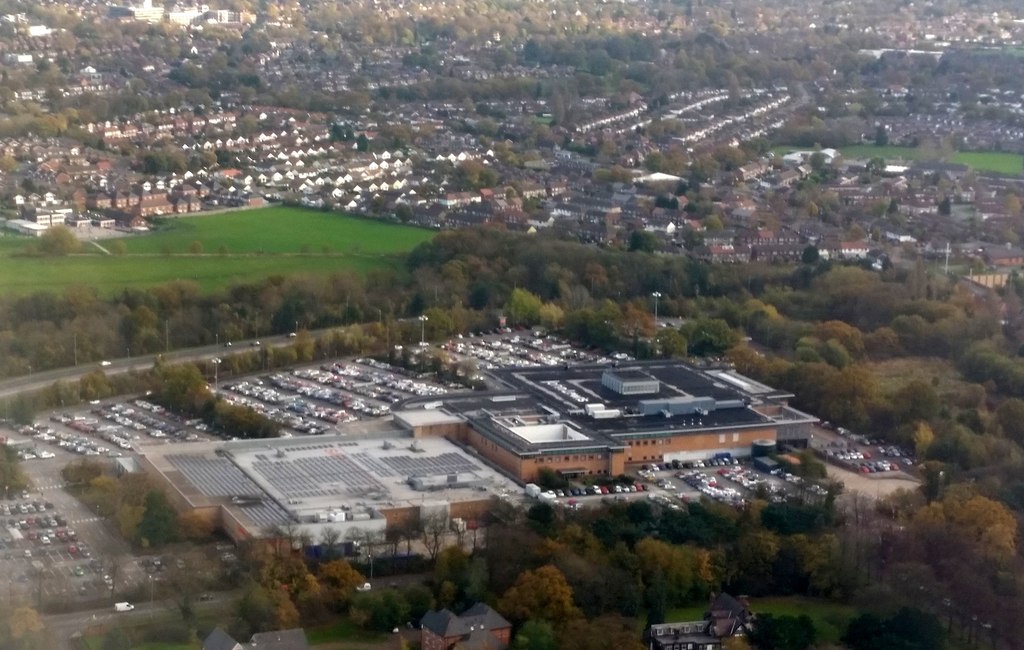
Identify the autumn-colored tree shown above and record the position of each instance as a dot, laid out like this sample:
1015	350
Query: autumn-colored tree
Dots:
848	336
923	438
338	581
1010	417
987	525
685	570
286	614
603	633
541	594
637	322
24	622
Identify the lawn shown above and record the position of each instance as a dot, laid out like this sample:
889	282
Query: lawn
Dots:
1002	163
830	619
259	243
280	230
343	630
96	643
994	161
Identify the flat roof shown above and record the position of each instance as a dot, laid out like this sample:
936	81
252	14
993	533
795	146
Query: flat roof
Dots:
540	433
630	374
270	481
426	417
676	380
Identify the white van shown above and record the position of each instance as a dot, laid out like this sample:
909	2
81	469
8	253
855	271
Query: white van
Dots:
123	607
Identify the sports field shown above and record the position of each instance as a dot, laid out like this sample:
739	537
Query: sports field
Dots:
994	161
279	230
235	247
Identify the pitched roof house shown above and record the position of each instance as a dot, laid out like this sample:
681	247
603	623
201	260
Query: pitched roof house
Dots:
478	628
726	617
294	639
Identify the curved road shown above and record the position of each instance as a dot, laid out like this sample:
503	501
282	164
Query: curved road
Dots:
42	380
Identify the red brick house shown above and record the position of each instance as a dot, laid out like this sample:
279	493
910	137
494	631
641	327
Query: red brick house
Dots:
478	628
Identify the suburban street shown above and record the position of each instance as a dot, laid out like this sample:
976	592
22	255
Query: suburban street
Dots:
65	627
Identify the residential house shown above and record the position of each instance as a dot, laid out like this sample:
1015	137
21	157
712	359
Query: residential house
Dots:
726	617
294	639
478	628
1004	256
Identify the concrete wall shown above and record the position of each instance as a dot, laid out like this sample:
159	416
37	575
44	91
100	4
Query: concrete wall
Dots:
446	430
694	446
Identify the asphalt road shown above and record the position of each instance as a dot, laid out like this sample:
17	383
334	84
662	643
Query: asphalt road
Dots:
63	628
40	380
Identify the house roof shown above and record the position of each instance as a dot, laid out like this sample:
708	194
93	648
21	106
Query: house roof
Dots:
294	639
220	640
480	639
481	614
444	623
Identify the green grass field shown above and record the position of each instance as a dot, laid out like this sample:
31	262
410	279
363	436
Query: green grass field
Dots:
259	243
994	161
280	230
830	619
343	630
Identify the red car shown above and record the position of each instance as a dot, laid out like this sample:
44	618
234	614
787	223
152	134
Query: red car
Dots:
72	549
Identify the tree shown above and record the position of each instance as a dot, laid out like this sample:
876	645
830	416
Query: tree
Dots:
1010	417
435	531
338	581
24	622
987	525
671	344
642	241
603	633
159	523
255	609
783	632
810	255
58	241
535	635
881	136
380	610
541	594
908	629
709	336
923	439
945	207
523	307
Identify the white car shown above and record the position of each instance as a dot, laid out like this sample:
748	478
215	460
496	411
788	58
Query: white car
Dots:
104	363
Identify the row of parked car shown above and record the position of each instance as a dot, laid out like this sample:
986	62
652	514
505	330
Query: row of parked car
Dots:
709	486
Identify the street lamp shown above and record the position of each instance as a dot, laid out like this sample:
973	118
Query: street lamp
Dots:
656	295
216	366
423	329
